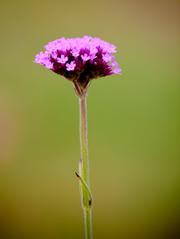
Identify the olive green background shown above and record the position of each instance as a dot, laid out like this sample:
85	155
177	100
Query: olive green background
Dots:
133	122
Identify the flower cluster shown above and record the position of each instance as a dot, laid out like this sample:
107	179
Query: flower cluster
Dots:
79	59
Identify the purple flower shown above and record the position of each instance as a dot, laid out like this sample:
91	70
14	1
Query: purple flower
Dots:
85	57
79	60
62	59
70	66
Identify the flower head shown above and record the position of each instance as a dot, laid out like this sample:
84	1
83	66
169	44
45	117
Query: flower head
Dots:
79	60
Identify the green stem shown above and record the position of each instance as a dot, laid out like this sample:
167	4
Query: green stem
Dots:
86	199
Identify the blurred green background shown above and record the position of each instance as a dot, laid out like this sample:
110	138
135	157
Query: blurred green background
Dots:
133	122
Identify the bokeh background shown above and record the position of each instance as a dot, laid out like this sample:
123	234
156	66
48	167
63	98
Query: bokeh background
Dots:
133	122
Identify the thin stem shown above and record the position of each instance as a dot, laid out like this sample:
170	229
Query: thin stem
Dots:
86	199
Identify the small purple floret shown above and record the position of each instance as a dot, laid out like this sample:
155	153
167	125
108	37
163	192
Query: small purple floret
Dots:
79	59
63	59
70	66
85	57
